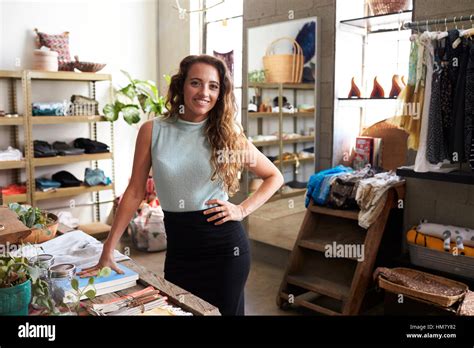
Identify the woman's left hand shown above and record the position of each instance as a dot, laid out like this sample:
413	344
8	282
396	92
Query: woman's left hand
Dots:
225	210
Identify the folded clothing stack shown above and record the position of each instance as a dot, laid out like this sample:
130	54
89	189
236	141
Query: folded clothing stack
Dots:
61	148
66	179
46	184
11	154
13	189
64	149
43	149
92	177
91	146
49	109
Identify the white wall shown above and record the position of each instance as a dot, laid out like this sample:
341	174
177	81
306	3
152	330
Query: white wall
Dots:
123	34
174	42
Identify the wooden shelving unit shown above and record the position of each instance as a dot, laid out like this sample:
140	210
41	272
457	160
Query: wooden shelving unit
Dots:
27	78
13	78
57	160
66	119
337	284
70	191
264	85
293	161
12	121
65	76
276	114
20	198
302	139
12	164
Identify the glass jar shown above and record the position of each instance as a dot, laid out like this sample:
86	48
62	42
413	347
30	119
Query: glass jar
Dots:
43	262
60	277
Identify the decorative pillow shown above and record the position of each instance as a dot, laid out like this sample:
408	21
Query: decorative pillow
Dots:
60	44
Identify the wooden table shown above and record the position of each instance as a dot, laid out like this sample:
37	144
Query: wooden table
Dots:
176	296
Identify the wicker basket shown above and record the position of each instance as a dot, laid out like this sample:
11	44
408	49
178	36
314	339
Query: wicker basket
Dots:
381	7
442	300
283	68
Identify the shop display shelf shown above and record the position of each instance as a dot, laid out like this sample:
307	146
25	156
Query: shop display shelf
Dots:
66	119
381	23
307	86
459	176
51	161
20	198
292	161
12	164
11	74
347	214
70	191
67	76
277	114
12	121
302	139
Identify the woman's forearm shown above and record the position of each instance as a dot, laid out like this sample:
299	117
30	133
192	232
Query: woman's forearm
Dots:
125	211
269	186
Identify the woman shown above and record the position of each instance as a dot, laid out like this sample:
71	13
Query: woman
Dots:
196	151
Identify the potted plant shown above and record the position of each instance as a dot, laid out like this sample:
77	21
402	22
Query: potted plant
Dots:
15	285
137	98
43	225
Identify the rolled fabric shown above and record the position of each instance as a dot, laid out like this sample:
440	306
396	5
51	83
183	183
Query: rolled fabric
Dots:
442	231
421	239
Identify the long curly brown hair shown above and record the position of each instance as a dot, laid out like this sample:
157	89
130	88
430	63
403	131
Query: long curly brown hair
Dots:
225	135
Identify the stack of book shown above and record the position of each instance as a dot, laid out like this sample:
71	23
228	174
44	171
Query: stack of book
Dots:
105	285
147	301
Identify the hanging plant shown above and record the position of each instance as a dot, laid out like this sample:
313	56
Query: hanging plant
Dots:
137	98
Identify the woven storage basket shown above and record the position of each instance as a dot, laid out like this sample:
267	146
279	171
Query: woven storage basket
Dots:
283	68
380	7
442	300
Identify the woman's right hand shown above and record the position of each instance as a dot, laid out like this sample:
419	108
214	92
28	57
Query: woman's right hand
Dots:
106	260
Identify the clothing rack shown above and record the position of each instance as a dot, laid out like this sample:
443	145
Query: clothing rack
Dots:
445	21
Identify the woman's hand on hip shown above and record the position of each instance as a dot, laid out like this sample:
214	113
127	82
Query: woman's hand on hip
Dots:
226	211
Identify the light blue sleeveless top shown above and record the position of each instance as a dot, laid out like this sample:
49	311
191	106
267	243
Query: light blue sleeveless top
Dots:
181	165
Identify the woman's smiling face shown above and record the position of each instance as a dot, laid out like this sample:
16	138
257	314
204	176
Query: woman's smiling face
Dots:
201	90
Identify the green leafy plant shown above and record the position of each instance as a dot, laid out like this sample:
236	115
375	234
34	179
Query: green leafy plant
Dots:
256	76
89	290
16	270
134	99
31	217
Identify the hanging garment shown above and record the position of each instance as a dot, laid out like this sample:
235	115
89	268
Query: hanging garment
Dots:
421	161
411	98
458	152
436	149
469	108
454	61
228	58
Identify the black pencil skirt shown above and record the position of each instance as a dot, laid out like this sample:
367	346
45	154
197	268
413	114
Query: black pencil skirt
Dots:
212	262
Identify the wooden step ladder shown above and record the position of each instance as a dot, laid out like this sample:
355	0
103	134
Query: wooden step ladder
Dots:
334	285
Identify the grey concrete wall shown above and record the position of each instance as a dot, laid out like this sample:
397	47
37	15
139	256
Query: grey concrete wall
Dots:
440	202
262	12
